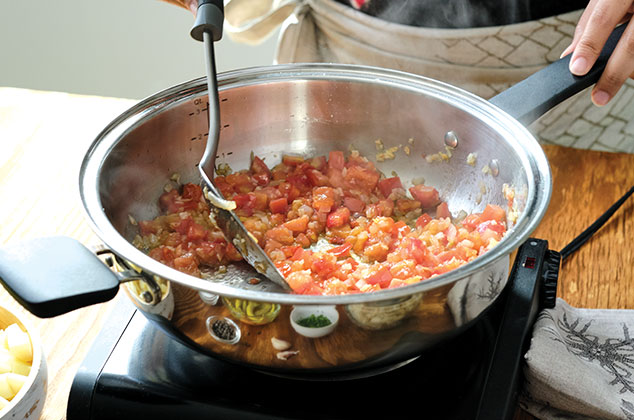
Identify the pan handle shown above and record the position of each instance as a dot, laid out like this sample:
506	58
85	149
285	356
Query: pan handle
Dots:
532	97
55	275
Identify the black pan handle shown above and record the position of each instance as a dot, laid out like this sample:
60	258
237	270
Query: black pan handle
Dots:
532	97
52	276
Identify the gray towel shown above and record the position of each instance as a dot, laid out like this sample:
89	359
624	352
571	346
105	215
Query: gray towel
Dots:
580	364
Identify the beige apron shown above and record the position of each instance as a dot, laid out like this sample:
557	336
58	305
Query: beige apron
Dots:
484	61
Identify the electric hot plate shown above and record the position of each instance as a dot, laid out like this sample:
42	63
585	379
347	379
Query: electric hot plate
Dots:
135	371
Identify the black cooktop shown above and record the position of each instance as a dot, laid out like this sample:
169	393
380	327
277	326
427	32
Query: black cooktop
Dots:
135	371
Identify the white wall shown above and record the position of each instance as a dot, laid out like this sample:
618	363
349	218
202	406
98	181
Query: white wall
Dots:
121	48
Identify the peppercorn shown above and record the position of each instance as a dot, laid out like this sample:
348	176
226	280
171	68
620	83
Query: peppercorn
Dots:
223	330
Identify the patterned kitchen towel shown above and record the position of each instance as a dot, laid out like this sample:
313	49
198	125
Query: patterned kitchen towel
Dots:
580	365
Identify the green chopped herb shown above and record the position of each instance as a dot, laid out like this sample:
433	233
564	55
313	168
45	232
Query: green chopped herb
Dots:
314	321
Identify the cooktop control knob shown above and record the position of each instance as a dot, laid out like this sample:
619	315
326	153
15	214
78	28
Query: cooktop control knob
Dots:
550	274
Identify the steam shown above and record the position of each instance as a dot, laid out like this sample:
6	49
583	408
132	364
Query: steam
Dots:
450	13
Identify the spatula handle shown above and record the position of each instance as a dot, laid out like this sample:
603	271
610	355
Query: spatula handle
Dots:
209	18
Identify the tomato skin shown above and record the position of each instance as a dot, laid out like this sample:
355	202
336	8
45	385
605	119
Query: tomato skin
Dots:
259	167
336	160
387	185
279	205
427	196
338	218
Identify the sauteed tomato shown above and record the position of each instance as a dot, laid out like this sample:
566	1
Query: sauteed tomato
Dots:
332	225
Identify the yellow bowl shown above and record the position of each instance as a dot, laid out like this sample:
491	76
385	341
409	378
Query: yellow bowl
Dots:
29	400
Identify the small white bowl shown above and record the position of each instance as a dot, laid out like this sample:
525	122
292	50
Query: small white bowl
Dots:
301	312
29	401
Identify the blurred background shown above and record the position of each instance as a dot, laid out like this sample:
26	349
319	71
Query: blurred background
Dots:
121	48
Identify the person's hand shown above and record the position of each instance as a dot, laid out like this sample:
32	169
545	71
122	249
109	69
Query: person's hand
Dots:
595	25
191	5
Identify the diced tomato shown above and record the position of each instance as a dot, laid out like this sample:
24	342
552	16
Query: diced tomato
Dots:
297	225
325	265
301	182
316	178
211	252
280	234
383	277
493	212
302	240
291	192
335	177
354	204
419	252
443	210
428	196
300	281
259	167
261	201
196	232
292	160
400	228
494	225
244	201
323	199
377	252
192	192
279	205
168	203
338	218
341	250
471	221
387	185
225	188
336	160
163	254
149	226
422	220
187	263
241	182
362	178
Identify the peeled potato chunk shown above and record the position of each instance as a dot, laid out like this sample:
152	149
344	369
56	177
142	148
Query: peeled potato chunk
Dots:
5	389
19	343
15	381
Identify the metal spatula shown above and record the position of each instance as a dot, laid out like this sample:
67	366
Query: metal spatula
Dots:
208	28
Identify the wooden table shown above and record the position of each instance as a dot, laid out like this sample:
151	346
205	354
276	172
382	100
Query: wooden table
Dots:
44	135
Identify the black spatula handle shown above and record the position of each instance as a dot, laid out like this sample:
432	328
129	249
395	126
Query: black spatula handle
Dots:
209	18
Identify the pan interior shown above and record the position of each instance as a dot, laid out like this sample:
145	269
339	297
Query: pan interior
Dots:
310	113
